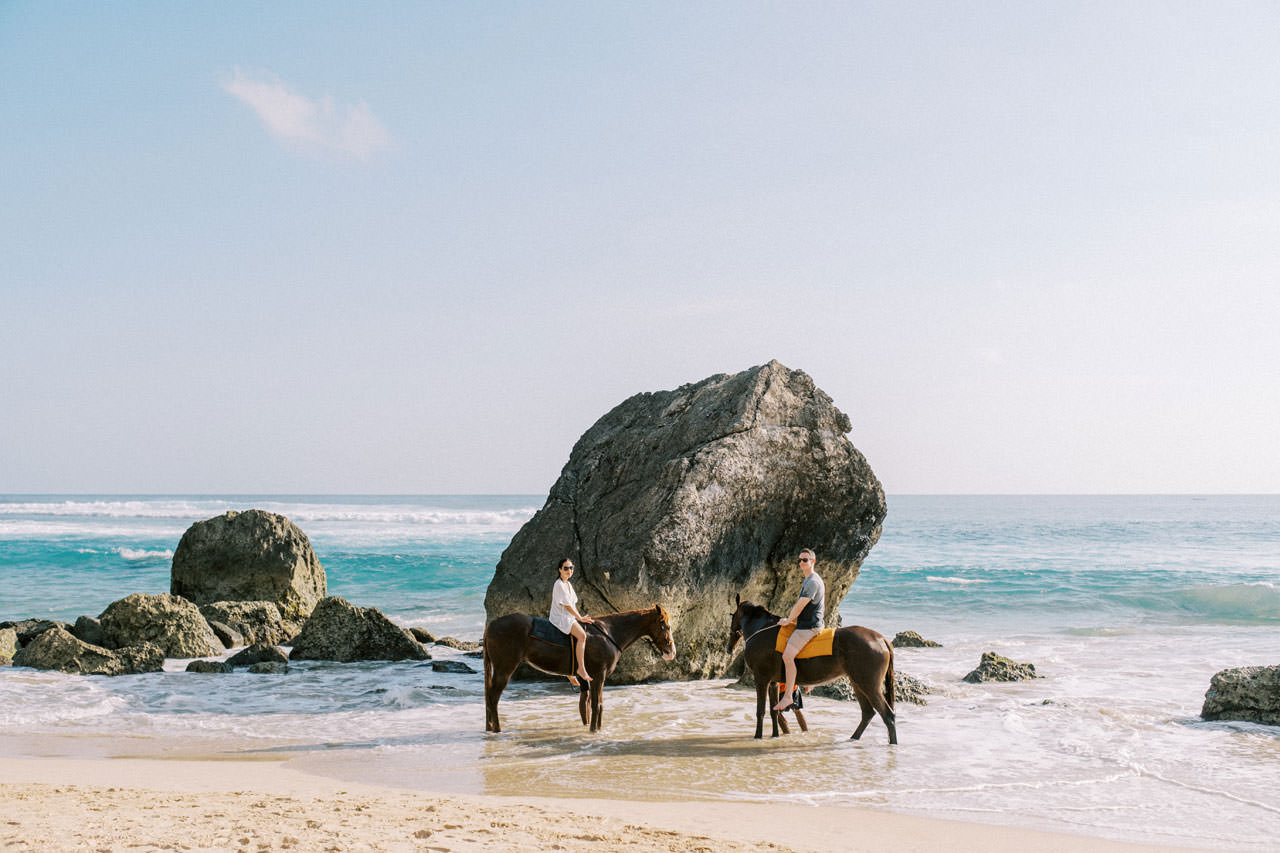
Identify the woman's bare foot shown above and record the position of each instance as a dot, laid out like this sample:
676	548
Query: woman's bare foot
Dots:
573	679
582	673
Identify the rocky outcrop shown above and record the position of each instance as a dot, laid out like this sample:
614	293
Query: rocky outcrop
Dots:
254	621
258	653
169	621
455	643
90	630
906	689
340	631
912	640
269	667
455	666
687	497
57	649
209	666
249	556
994	667
228	636
8	645
1248	693
28	629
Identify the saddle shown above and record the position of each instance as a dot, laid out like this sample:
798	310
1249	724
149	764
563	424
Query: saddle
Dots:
543	630
819	646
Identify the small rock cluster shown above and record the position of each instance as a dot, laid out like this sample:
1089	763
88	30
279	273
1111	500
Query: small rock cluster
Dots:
259	556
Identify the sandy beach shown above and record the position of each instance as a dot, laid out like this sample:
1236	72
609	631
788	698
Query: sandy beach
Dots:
147	804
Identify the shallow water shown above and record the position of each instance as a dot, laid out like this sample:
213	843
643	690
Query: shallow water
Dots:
1127	606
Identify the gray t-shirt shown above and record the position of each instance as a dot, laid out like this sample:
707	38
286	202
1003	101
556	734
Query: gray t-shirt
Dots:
816	591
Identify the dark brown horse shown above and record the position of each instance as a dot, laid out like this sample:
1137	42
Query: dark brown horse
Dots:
865	656
507	644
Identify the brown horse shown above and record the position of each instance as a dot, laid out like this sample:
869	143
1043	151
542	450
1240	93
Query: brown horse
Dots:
507	644
864	655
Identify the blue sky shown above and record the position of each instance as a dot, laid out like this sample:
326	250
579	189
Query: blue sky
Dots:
422	247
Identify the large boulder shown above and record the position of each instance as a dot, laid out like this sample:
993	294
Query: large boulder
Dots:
170	621
687	497
57	649
249	556
340	631
254	621
1249	693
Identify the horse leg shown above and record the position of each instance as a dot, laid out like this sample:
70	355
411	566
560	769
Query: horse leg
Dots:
583	695
761	687
495	681
773	700
804	726
597	702
873	701
868	713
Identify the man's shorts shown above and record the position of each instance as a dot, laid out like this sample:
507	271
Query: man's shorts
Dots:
798	639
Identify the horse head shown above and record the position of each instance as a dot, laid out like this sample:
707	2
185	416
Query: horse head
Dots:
660	633
748	618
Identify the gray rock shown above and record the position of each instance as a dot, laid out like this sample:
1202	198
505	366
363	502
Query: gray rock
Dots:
687	497
422	635
90	630
169	621
269	667
258	653
255	621
340	631
209	666
228	636
450	666
57	649
912	640
460	645
8	645
28	629
249	556
1248	693
994	667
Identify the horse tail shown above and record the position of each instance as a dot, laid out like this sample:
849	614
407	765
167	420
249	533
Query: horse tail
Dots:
889	681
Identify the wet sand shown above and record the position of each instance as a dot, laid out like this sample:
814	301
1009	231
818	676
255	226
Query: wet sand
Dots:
157	804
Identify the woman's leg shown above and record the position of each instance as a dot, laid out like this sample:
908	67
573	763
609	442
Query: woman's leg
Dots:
580	635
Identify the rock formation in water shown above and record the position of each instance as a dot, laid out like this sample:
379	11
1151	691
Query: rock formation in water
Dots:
340	631
912	640
170	621
687	497
249	556
57	649
254	621
994	667
1248	693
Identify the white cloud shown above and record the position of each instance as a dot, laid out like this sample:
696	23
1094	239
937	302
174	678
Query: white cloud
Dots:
309	126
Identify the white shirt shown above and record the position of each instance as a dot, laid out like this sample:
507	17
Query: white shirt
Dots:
561	594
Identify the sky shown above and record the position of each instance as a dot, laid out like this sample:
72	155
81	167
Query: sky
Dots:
422	247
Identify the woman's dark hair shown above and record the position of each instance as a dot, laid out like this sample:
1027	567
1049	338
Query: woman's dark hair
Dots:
561	562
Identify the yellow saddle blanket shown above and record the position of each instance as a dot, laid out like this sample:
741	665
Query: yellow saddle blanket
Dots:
819	646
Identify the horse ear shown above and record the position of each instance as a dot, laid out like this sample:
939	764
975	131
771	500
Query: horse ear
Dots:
737	598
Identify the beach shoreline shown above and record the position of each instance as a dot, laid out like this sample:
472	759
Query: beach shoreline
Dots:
214	803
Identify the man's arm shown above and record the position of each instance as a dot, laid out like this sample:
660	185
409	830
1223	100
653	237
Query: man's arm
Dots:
795	611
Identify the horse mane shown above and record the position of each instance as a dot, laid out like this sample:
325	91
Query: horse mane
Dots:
752	609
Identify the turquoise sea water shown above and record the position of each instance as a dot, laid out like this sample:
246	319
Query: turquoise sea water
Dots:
1127	606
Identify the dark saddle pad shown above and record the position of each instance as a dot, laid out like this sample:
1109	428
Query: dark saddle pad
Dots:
546	632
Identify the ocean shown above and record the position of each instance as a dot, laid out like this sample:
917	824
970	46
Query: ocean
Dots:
1127	606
